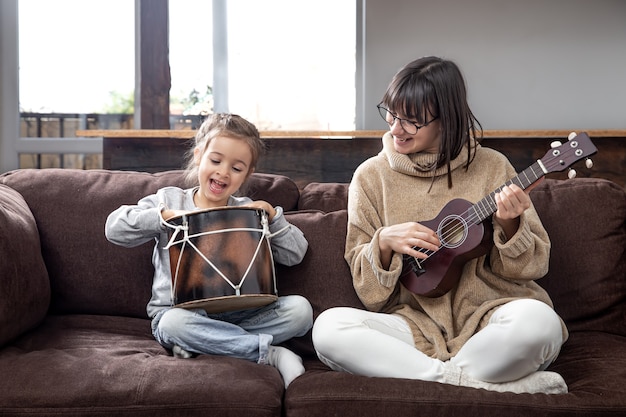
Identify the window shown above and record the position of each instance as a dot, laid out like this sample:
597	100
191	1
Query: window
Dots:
191	57
290	65
76	56
76	71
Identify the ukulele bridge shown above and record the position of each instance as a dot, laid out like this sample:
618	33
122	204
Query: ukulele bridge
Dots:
416	266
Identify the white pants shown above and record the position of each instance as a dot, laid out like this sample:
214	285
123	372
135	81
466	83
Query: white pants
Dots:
522	337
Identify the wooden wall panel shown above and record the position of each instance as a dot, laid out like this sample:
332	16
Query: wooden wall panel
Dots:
318	159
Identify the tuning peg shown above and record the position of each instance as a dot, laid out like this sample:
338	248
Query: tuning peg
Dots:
572	136
589	163
555	144
571	174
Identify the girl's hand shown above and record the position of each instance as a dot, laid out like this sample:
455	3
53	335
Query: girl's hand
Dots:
403	238
263	205
168	214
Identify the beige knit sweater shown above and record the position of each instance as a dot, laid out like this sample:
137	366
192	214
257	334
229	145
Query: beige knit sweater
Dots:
393	188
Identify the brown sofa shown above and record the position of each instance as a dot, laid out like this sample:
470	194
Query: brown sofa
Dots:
75	339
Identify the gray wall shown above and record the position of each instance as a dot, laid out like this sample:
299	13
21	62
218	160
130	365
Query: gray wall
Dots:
531	64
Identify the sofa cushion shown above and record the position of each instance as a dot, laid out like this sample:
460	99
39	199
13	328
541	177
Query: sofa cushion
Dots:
78	365
593	365
88	274
24	284
277	190
585	219
326	197
323	277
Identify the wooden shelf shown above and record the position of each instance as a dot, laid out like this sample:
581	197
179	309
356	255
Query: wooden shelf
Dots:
187	134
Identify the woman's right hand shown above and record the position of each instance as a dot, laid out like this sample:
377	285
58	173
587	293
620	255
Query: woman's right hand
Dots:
404	238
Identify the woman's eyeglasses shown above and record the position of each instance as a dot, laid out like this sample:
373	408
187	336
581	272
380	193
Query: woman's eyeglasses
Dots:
408	126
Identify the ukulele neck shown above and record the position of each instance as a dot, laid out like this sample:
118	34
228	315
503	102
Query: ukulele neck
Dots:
487	206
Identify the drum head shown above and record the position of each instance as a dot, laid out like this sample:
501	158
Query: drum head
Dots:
230	303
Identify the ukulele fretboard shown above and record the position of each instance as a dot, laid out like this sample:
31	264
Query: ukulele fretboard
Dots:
487	206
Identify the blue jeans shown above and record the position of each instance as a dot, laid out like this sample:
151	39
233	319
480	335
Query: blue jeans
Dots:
244	334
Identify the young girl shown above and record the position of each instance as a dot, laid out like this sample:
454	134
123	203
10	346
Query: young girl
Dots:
496	329
225	155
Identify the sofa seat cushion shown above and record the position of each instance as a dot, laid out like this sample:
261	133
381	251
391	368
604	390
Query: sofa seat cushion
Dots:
111	366
593	365
24	283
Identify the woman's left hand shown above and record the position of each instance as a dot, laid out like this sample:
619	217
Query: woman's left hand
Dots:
511	201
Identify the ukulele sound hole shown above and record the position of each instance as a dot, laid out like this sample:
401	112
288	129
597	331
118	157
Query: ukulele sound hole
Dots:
452	231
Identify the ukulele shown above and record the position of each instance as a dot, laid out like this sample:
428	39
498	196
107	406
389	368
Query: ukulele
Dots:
463	232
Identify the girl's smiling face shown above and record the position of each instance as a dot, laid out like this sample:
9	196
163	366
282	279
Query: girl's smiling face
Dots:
222	168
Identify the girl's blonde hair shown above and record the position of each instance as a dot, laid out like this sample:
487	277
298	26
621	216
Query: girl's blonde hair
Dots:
223	124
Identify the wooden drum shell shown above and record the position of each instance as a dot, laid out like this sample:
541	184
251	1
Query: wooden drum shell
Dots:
225	261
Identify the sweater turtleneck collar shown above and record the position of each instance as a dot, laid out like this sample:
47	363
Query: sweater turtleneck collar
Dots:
420	164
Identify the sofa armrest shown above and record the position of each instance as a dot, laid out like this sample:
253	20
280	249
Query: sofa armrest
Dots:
24	283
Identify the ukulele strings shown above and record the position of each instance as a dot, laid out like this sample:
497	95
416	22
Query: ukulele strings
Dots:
469	219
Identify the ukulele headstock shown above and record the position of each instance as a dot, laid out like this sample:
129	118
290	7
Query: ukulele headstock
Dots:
563	155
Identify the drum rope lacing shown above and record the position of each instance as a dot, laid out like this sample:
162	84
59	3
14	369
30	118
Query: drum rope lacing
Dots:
186	239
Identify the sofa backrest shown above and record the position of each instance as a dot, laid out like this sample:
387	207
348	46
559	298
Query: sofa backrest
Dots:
586	222
585	218
88	274
326	197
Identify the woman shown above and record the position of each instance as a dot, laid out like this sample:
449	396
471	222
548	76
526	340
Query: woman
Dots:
496	328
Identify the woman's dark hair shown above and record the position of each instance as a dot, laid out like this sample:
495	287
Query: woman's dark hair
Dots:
434	87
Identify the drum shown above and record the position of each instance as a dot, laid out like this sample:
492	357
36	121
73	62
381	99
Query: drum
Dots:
221	259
